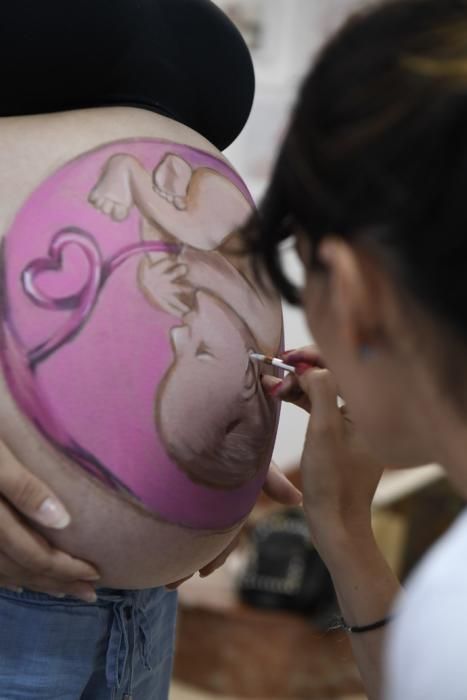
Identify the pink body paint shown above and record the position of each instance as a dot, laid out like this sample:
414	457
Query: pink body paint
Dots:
84	352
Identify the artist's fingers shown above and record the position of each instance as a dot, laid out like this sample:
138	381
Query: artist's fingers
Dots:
177	272
287	390
278	487
306	356
28	494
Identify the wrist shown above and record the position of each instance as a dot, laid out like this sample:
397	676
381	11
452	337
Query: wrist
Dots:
364	583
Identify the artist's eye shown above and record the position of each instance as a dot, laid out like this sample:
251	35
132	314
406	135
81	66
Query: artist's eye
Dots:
203	352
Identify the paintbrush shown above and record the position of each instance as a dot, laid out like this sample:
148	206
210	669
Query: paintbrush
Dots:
273	361
277	362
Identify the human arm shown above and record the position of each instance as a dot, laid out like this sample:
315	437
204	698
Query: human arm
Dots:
26	559
339	481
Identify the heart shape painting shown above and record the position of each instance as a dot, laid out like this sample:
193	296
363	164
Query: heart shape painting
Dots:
70	273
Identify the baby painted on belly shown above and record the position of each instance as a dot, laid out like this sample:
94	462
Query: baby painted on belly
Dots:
127	331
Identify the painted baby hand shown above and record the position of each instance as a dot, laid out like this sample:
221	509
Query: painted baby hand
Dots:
162	284
112	194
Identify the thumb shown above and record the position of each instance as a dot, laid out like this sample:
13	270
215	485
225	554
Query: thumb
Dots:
28	494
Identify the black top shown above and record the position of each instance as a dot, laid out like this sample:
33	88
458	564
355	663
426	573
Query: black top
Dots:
181	58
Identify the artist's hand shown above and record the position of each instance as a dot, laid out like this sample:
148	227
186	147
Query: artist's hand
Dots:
26	559
339	474
112	193
278	487
163	284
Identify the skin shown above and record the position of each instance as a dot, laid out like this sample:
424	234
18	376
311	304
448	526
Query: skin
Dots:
33	147
175	203
378	355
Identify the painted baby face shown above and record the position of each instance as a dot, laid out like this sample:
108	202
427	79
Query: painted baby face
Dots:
145	384
211	350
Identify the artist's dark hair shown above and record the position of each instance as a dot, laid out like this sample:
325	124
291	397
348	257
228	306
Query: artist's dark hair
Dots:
377	151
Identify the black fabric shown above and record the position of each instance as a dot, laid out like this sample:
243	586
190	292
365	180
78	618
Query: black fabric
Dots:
181	58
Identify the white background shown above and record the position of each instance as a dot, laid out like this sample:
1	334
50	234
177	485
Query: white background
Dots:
290	33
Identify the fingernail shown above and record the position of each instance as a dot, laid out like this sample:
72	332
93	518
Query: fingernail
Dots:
52	514
275	390
302	367
91	578
296	356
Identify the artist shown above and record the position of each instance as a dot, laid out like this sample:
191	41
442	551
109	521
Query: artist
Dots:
371	183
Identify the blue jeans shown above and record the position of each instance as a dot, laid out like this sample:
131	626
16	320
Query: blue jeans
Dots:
62	649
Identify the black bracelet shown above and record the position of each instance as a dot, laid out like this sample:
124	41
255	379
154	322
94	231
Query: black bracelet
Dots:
354	629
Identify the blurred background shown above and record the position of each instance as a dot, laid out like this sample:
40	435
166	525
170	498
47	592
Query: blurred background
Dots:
259	628
283	36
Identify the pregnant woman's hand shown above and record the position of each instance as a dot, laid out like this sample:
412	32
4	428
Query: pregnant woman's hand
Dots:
26	558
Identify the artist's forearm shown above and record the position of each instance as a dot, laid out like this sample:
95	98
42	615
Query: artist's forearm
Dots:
366	589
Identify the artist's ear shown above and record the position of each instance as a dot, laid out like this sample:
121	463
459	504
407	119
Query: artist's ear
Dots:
250	381
357	296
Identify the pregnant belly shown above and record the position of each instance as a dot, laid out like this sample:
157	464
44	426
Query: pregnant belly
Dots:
136	516
131	547
157	441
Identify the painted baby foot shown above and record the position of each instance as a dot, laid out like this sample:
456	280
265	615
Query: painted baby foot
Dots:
112	193
171	180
